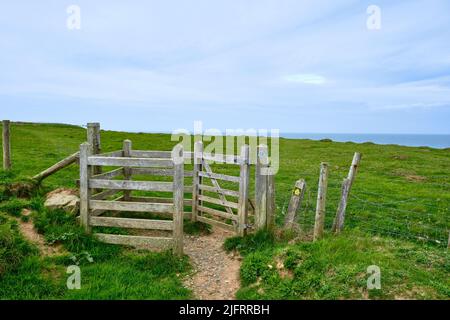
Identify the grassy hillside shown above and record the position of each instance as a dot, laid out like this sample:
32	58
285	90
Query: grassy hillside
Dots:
400	192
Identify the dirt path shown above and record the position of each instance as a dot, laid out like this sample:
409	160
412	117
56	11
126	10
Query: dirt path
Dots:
30	234
216	273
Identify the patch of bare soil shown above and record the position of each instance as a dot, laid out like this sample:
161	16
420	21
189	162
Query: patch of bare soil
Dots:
28	231
216	273
415	178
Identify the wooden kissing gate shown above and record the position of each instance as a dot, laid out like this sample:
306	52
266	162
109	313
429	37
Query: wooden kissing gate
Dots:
112	191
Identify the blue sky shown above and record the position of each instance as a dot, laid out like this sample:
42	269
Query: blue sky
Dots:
297	66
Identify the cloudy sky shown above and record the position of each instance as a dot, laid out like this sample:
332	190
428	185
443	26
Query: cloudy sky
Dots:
299	66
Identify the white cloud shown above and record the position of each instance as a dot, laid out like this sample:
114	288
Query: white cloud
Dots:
306	78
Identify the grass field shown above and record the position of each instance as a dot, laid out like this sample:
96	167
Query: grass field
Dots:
398	219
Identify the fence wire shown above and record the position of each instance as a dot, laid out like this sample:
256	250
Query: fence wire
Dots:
422	219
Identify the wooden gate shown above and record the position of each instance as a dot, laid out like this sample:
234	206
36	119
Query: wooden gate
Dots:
223	207
97	190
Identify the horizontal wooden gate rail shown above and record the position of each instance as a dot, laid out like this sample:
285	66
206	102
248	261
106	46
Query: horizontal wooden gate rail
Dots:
93	204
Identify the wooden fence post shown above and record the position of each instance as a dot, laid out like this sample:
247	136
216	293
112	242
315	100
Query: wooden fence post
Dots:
271	205
321	202
262	162
296	201
93	138
244	178
6	145
338	223
178	197
84	186
127	146
196	180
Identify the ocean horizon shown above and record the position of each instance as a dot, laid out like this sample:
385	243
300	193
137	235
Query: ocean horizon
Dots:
438	141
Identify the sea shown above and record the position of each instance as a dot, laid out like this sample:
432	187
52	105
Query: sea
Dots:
438	141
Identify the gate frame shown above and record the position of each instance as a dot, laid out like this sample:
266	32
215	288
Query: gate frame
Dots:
92	205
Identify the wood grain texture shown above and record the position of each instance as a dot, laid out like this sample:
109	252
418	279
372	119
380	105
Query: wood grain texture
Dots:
131	206
295	203
244	181
84	186
136	241
321	202
131	185
129	162
132	223
178	196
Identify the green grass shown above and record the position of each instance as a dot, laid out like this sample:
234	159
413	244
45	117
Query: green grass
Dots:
107	271
397	218
336	268
13	248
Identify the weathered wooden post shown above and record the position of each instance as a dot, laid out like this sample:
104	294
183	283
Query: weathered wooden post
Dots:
244	178
295	202
93	138
196	180
127	146
84	186
271	205
338	223
178	195
262	163
321	202
6	145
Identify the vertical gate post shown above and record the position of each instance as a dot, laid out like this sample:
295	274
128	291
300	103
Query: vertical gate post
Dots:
6	145
262	163
93	138
321	202
271	205
178	195
196	180
244	178
127	145
84	186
